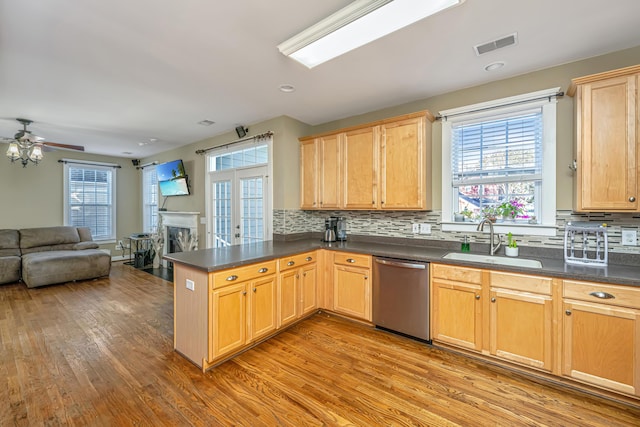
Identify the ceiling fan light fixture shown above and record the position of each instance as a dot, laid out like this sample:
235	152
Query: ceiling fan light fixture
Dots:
355	25
35	154
13	152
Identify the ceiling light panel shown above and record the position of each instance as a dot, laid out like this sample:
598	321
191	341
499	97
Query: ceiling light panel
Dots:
362	22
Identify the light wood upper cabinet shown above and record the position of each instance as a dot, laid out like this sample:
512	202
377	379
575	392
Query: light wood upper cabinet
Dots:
309	175
608	142
330	168
403	159
361	154
380	165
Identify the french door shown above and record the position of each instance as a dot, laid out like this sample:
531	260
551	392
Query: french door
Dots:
239	206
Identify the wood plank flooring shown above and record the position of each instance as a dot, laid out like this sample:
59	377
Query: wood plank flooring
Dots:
101	353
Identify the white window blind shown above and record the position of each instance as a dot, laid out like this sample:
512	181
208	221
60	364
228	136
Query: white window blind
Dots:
90	199
497	160
150	199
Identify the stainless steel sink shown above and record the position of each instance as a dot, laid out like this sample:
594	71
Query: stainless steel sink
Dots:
488	259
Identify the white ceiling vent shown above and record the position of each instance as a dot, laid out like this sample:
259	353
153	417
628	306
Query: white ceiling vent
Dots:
505	41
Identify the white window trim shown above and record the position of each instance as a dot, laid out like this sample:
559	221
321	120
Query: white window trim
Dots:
547	227
145	218
65	198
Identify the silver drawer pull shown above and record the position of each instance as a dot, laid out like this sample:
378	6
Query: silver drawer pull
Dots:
263	270
308	258
602	295
351	260
232	278
290	263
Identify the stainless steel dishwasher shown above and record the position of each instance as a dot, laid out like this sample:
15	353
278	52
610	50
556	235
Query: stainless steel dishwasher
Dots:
401	296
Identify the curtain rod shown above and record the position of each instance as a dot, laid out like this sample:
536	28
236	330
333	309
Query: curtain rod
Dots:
493	107
88	162
265	135
146	165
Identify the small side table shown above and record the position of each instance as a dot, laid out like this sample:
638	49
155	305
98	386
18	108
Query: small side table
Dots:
139	257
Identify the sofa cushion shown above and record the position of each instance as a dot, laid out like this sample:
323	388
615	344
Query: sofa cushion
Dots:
48	239
9	243
85	234
9	269
46	268
85	245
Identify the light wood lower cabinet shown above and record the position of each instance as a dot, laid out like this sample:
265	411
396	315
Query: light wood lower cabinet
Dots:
601	328
297	287
521	319
352	285
456	306
509	316
241	314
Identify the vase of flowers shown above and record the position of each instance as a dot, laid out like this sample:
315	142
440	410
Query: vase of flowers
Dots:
512	247
511	209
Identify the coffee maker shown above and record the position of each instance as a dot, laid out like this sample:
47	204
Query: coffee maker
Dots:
330	228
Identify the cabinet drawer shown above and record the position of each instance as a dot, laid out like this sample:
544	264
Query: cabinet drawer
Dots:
521	282
296	261
624	296
457	274
241	274
354	260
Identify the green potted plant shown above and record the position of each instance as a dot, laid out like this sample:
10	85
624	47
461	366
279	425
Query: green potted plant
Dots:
491	213
512	247
511	209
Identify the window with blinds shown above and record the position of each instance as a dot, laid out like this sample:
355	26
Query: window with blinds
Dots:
150	199
498	160
90	199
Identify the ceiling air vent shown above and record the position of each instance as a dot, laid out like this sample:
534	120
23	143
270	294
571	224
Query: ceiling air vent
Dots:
505	41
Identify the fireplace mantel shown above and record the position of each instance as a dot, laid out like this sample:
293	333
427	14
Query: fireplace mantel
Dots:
187	220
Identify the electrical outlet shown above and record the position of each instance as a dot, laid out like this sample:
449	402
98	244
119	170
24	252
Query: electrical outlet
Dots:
415	228
629	237
191	285
425	228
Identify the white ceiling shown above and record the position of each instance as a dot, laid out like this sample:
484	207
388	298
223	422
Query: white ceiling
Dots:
109	75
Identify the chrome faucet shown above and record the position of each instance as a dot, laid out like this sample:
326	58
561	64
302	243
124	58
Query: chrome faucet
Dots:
492	249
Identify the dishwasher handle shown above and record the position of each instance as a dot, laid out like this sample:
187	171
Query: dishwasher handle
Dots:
402	264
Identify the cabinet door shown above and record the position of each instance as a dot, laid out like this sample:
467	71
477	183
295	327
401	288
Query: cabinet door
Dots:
329	177
308	175
352	291
228	323
361	154
308	289
607	151
262	307
403	165
288	297
457	313
521	328
602	345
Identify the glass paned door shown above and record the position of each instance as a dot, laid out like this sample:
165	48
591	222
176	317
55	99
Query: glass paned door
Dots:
238	206
221	210
252	215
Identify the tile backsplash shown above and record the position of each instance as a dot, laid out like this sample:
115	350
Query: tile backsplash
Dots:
398	224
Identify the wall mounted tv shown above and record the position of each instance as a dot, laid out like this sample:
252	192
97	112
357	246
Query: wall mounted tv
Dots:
172	179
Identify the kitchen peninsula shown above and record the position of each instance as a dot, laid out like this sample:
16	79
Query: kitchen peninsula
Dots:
228	300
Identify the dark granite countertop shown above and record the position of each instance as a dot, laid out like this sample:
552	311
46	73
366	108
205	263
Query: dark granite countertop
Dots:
234	256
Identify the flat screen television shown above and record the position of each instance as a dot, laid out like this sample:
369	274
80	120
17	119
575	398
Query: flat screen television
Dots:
170	170
174	187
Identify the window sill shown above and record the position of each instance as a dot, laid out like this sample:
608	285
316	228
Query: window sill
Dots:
504	227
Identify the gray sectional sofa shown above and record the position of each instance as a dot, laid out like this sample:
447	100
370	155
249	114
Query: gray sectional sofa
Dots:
48	255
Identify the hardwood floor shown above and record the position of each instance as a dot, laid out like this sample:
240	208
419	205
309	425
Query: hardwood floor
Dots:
101	353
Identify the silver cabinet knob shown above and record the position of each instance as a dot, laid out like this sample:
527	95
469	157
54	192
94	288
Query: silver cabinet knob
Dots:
308	259
351	260
493	300
263	270
477	296
632	199
568	312
232	278
290	263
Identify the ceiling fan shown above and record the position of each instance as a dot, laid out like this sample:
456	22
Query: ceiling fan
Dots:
26	146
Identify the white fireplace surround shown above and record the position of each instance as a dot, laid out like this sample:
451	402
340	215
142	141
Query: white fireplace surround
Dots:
178	219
